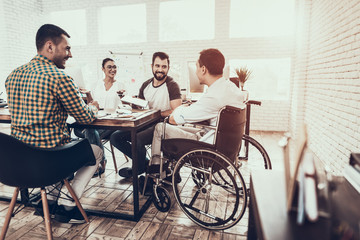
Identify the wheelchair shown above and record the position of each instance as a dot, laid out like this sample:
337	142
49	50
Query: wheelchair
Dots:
205	178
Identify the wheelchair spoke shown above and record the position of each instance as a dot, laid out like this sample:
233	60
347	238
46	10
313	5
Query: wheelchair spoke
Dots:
204	213
209	193
194	198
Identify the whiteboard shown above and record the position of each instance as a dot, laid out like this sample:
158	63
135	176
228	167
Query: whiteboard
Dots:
130	71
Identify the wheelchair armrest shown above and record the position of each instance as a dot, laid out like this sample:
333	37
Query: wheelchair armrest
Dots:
202	124
176	147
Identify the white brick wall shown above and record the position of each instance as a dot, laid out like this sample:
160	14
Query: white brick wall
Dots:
326	62
327	75
19	23
24	18
2	46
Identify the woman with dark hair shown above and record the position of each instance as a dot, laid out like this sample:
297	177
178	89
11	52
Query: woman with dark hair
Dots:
106	93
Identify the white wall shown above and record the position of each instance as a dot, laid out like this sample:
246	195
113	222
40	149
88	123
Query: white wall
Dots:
19	21
24	18
2	49
326	62
327	80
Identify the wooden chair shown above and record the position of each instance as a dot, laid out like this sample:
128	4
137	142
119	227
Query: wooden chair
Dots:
24	166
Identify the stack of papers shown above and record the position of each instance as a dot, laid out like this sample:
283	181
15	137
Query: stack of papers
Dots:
136	101
121	114
307	198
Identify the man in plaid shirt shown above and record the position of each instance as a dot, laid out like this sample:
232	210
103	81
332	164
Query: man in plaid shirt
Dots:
40	98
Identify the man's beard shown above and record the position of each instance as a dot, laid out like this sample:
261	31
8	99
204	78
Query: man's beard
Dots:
159	78
59	62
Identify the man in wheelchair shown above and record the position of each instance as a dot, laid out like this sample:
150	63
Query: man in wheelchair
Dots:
220	93
205	179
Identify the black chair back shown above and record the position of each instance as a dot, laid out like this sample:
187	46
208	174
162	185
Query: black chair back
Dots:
229	131
25	166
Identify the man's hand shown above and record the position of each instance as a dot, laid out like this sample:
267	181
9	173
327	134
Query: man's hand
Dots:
88	94
94	103
171	120
83	90
121	93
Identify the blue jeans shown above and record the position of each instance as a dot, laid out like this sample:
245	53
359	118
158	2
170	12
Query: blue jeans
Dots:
122	141
95	135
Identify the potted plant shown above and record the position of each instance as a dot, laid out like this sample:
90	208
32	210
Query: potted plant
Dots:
243	74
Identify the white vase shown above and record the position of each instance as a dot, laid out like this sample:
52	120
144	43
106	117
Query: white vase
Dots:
246	95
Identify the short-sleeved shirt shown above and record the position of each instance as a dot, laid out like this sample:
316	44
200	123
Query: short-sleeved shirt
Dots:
40	98
159	97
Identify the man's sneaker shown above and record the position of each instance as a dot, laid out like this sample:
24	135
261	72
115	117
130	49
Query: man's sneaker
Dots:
40	212
176	176
69	216
149	186
155	168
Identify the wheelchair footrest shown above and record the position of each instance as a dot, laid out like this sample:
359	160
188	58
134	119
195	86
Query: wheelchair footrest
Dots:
155	168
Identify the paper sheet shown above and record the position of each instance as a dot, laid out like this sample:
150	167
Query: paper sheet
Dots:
311	207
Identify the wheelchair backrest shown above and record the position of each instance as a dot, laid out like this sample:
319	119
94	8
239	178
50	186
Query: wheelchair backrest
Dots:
229	131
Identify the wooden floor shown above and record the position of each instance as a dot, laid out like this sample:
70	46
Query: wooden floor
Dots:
113	193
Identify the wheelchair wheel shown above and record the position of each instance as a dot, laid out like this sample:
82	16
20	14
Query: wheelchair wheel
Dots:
209	200
161	199
252	158
198	177
255	153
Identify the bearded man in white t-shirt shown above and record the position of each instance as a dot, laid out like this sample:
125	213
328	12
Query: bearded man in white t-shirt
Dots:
162	93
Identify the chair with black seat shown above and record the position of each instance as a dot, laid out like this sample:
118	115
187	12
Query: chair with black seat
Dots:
24	166
79	132
206	181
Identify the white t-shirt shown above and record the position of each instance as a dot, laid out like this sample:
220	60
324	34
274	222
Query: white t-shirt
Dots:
159	97
109	98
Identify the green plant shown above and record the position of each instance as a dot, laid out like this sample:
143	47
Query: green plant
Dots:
243	74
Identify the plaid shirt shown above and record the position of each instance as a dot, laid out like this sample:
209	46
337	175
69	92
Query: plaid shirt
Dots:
40	98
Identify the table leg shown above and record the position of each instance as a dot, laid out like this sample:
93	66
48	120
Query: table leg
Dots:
251	234
135	174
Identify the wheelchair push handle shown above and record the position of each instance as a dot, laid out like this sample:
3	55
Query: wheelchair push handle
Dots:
254	102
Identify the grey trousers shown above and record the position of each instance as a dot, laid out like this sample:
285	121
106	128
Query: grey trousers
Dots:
171	131
81	179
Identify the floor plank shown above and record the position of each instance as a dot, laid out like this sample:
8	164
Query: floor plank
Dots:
113	193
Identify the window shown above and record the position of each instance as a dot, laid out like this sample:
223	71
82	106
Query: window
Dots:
74	23
187	20
122	24
270	78
261	18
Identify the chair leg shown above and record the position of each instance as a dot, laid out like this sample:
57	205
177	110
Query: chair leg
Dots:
9	213
78	204
46	214
113	156
126	157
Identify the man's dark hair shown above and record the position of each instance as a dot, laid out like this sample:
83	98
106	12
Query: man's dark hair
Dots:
105	61
162	56
213	60
49	32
